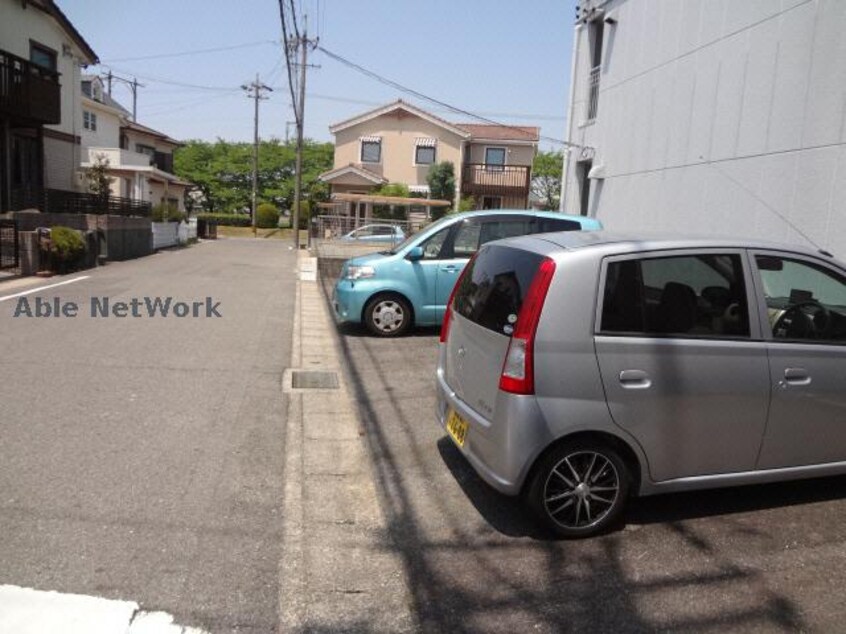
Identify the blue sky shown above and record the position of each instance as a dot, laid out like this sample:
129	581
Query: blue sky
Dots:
498	58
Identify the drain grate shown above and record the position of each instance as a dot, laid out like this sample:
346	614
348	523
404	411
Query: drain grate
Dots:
301	379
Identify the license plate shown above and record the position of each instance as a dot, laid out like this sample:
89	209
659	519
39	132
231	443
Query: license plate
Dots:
457	428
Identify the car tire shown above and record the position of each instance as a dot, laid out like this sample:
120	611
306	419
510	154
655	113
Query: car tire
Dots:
388	316
579	489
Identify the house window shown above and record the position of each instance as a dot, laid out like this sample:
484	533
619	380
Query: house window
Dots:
424	155
89	120
371	150
424	151
145	149
42	56
596	32
495	159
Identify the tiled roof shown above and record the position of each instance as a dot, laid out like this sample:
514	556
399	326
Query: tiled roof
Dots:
501	132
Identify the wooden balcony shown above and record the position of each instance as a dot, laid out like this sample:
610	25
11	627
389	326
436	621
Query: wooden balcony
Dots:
478	179
28	91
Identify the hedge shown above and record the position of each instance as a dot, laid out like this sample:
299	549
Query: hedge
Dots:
229	220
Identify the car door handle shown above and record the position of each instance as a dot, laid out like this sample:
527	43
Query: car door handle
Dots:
796	376
635	379
449	268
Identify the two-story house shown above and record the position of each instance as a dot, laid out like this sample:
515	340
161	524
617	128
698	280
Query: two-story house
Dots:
140	159
399	142
41	54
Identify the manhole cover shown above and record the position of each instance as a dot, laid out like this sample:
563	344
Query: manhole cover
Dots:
301	379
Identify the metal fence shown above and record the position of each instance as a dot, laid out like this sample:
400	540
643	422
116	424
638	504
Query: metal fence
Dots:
343	237
65	202
9	250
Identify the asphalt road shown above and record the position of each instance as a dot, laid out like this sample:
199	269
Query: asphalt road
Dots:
755	559
142	459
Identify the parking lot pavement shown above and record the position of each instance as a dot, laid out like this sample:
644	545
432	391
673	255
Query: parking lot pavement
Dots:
755	559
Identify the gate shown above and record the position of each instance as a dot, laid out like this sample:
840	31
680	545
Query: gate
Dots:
8	244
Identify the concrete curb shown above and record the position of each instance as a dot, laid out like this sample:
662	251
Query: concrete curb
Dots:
339	571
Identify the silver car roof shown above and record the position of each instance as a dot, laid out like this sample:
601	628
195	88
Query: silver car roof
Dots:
629	242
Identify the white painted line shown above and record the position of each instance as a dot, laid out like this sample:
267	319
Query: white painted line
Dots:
44	288
28	611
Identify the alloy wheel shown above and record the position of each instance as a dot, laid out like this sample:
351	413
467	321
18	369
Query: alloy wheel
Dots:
581	490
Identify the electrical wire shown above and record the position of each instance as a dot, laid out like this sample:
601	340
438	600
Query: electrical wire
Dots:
171	82
287	49
294	20
389	82
198	51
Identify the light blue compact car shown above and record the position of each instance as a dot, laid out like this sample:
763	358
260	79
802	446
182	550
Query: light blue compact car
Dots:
409	285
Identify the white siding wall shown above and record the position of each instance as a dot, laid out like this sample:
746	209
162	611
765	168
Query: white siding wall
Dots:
719	117
61	161
108	126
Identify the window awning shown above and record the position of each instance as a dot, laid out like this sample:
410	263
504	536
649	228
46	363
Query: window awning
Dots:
425	142
370	139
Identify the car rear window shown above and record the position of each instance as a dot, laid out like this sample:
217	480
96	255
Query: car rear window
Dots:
492	289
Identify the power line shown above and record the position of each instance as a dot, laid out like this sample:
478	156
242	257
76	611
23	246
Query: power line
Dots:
172	82
286	45
443	104
294	19
196	51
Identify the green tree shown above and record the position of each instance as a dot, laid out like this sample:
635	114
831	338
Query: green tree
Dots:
441	181
546	178
99	181
222	171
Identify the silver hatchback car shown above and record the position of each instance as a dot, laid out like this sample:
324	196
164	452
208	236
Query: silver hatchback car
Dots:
579	369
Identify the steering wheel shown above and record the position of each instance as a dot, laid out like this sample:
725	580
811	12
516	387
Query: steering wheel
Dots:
796	323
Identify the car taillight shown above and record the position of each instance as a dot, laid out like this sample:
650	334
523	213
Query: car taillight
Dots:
518	370
448	313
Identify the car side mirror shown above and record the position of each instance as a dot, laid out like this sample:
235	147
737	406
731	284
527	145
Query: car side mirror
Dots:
414	254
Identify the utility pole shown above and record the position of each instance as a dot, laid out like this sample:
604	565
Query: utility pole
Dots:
255	92
134	100
133	85
303	44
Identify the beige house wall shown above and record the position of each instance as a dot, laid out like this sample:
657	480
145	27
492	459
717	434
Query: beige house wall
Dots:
398	133
159	195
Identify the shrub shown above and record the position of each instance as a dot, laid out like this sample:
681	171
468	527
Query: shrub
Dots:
166	213
228	220
66	244
267	216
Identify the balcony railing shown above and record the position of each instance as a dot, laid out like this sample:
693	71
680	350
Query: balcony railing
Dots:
479	179
593	93
28	91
